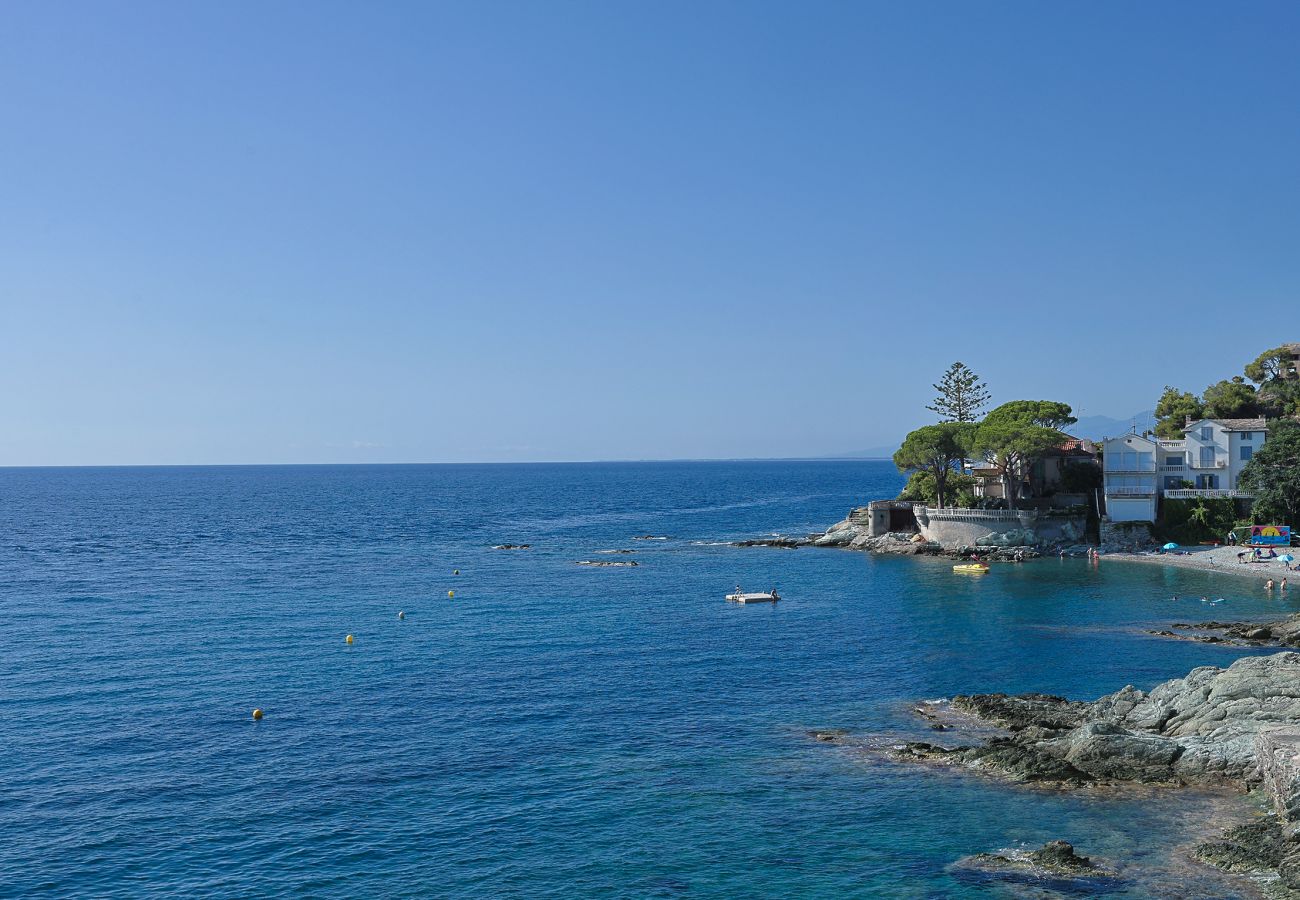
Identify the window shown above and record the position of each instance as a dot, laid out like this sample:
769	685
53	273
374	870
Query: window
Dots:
1207	457
1207	432
1248	435
1173	460
1247	452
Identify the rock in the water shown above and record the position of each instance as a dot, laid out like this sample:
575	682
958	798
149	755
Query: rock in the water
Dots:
784	543
512	546
1054	860
608	563
1253	848
1281	633
829	735
1020	711
1238	725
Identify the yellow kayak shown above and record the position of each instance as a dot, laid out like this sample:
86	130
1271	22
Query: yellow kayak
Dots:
971	568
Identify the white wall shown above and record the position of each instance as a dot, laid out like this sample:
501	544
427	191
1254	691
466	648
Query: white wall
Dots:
1131	509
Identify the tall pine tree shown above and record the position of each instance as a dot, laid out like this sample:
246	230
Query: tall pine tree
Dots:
961	395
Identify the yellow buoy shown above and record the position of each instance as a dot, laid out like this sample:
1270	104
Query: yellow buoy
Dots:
257	715
451	593
401	615
349	639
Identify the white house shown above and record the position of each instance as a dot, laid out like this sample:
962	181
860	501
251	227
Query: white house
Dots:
1129	470
1209	457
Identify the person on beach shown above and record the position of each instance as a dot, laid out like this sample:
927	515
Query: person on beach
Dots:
1232	538
1284	583
1268	585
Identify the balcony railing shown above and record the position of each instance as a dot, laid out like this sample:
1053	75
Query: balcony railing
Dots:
1178	468
1131	491
1208	494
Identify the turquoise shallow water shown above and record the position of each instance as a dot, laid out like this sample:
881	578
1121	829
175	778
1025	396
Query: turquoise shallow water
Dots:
553	730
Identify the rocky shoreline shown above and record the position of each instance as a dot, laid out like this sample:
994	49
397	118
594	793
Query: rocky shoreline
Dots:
852	534
1278	633
897	543
1236	727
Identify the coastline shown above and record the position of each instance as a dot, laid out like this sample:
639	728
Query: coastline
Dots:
1217	560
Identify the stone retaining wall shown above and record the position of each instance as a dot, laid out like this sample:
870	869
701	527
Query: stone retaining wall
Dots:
956	528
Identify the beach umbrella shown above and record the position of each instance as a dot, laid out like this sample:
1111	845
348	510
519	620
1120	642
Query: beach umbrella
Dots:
1170	546
1287	557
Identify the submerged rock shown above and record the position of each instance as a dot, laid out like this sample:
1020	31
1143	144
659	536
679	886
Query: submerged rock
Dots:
829	735
1254	848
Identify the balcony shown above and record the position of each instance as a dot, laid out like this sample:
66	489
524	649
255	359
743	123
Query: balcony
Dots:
1178	468
1208	494
1131	492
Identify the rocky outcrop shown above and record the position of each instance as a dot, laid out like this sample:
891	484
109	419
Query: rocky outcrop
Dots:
1054	860
1025	710
1238	726
1200	728
894	542
784	543
609	563
1281	633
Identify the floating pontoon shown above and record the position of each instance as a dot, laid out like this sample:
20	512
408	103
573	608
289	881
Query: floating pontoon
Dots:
769	597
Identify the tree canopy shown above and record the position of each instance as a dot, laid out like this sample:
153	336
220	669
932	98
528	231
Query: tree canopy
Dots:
1233	399
1273	475
935	449
961	395
1041	413
1273	365
1015	434
1173	410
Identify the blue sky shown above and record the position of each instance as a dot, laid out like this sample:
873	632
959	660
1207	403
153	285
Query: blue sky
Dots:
315	232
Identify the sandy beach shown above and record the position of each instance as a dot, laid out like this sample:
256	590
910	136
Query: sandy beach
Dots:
1214	559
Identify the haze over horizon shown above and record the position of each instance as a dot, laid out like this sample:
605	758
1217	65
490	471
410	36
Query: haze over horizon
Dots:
505	231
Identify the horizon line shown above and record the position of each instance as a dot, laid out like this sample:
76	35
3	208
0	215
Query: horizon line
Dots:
558	462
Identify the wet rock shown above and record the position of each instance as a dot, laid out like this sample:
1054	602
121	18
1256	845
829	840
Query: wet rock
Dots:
608	563
1281	633
1253	848
1022	710
512	546
1054	865
784	543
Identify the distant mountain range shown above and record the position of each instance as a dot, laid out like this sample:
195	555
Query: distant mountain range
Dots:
1098	427
1093	427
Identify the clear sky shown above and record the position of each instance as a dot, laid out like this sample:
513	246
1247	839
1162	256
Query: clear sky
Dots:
367	232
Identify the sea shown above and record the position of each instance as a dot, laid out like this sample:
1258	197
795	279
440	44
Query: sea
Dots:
531	727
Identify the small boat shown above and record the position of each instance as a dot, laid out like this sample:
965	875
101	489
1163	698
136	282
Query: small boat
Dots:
972	568
769	597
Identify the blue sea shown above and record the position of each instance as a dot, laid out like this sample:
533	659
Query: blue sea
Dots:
552	730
